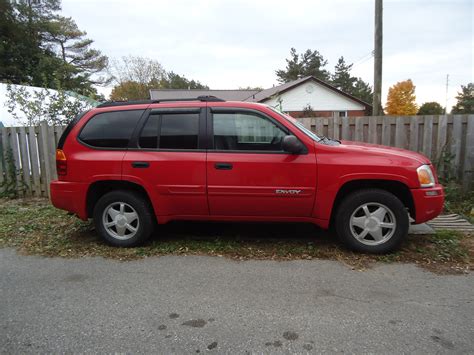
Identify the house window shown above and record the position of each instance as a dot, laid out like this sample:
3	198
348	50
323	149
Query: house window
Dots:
342	113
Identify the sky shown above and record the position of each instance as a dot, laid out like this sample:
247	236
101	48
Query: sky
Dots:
232	44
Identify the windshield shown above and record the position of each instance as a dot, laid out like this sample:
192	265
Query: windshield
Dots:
296	123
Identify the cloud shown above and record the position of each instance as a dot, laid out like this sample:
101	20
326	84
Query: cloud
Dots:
227	44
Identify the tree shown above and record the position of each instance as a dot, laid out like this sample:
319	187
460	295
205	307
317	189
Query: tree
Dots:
57	107
301	65
401	99
136	76
22	57
39	47
342	78
363	91
175	81
431	108
465	99
130	90
256	88
82	65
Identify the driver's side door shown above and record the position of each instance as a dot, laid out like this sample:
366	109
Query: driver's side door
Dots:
249	174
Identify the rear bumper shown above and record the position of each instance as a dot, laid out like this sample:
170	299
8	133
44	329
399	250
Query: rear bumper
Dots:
69	196
428	203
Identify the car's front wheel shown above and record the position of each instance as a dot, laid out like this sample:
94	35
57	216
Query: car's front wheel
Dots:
123	218
372	221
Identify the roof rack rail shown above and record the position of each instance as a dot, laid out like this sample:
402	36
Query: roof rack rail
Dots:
144	102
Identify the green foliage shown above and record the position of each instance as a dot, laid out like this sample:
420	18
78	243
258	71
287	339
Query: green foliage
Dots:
175	81
38	47
135	76
342	78
344	81
363	91
465	99
304	64
313	63
8	187
256	88
308	111
431	108
456	199
55	107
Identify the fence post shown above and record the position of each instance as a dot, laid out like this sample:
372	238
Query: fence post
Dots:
373	129
35	163
427	136
25	159
45	150
468	176
400	132
456	141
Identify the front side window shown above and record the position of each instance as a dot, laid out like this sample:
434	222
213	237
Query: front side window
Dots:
110	129
246	131
170	131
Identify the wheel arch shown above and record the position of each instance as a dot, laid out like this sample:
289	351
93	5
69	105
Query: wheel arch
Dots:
397	188
99	188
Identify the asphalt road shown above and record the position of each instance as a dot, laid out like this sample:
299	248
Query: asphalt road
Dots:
201	305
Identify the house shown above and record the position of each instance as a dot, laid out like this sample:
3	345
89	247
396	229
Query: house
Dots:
306	96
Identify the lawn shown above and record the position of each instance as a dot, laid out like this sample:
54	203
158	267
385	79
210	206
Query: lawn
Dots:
34	227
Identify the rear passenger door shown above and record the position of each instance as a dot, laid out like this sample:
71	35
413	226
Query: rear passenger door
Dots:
167	156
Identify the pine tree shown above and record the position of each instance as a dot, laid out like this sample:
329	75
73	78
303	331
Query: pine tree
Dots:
342	78
465	99
301	65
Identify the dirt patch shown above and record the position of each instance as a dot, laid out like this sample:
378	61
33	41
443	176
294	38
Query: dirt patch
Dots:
33	226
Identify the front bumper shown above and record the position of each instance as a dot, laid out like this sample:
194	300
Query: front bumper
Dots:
69	196
428	202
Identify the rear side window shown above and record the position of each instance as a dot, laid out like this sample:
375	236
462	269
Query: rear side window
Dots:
69	128
110	129
171	131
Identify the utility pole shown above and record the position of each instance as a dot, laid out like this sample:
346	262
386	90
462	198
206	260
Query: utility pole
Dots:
378	40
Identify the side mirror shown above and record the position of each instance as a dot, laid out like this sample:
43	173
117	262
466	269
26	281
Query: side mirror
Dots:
292	145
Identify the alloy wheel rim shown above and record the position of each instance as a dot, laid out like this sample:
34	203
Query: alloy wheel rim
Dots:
372	223
120	220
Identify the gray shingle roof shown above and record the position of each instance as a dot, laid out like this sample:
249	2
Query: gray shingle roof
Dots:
245	95
228	95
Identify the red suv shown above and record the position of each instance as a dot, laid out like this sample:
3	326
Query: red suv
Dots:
129	165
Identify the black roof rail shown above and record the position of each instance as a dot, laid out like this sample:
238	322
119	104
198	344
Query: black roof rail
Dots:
144	102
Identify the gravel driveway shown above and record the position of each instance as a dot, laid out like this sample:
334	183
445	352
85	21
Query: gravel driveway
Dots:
197	304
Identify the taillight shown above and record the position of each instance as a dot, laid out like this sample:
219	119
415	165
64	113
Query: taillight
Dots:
61	162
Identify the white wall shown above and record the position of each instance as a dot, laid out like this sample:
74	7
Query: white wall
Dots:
320	99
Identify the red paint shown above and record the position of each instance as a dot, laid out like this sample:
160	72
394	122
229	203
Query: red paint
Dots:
186	185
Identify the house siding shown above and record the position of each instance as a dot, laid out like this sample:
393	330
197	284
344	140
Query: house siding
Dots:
321	99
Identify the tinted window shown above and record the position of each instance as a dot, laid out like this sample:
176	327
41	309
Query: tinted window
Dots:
179	131
243	131
149	135
110	129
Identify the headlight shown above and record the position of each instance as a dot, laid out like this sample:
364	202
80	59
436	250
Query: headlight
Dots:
425	176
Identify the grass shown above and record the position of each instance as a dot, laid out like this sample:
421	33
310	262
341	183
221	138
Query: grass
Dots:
34	227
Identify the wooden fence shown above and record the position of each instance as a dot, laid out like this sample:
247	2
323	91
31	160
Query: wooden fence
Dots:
448	140
28	161
27	154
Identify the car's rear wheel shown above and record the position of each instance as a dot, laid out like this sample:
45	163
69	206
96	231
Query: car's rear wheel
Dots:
372	221
123	218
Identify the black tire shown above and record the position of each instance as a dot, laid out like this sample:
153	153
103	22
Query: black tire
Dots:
396	217
133	202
